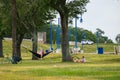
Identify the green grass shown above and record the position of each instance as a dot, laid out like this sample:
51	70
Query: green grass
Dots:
92	48
96	67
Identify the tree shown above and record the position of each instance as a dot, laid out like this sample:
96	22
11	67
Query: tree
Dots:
109	41
6	19
17	34
100	32
1	37
34	17
14	28
89	35
118	38
67	9
30	16
99	37
4	29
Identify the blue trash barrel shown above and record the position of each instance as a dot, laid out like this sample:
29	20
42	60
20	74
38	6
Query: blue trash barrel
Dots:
100	50
46	51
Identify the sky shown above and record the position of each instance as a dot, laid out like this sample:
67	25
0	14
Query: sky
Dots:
102	14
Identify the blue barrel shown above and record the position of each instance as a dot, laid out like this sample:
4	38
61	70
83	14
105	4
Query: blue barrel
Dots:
46	51
100	50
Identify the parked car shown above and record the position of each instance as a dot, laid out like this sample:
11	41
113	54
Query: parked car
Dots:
83	42
87	42
90	42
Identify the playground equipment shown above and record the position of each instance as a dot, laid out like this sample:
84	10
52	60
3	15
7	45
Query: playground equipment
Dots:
76	32
97	41
82	49
76	36
74	50
77	49
117	49
50	35
58	50
58	37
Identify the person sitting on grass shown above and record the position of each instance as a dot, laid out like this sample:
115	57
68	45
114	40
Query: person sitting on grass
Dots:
76	59
83	59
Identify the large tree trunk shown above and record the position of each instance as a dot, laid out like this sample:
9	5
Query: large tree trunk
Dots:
1	48
19	41
14	28
19	50
65	43
60	6
34	43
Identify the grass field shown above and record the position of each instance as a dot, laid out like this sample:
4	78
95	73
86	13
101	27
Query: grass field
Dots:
96	67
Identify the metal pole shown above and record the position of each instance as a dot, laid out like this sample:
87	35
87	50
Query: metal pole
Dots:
50	35
82	39
97	41
58	34
82	50
76	45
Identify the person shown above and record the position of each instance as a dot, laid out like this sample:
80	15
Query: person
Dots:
83	59
41	53
75	59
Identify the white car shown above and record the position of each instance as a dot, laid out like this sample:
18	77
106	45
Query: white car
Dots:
83	42
87	42
90	42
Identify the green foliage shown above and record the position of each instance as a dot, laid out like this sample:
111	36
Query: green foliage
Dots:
27	12
0	26
82	34
118	38
100	32
76	7
102	39
4	18
89	35
109	41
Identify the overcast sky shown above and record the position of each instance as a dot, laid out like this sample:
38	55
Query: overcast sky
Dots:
103	14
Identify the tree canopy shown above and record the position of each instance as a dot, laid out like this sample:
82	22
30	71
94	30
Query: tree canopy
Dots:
67	9
30	15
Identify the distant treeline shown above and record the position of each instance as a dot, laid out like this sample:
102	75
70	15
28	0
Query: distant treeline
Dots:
82	34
